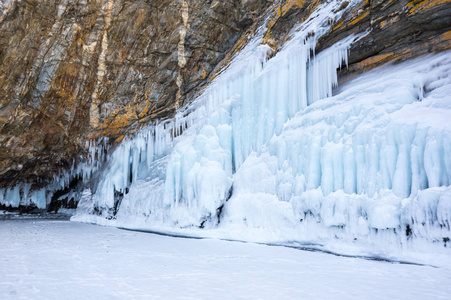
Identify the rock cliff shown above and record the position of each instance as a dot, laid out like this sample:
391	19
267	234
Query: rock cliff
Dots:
74	71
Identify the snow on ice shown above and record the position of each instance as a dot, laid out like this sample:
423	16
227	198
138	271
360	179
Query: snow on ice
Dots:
67	260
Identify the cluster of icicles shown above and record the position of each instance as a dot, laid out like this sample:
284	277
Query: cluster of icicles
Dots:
23	194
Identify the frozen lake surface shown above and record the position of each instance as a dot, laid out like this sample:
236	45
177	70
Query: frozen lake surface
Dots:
57	259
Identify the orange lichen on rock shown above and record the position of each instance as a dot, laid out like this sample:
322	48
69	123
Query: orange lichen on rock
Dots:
354	16
388	22
289	4
120	119
148	109
204	74
359	18
119	139
419	6
338	25
123	118
446	37
280	12
275	15
441	42
373	61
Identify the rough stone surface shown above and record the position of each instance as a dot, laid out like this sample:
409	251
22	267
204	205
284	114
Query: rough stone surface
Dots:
397	29
75	70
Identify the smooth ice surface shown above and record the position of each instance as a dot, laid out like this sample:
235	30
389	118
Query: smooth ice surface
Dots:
67	260
273	151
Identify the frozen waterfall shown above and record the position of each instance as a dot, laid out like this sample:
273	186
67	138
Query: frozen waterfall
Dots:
272	152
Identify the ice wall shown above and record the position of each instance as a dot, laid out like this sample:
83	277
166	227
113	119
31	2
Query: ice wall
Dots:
369	165
270	151
247	104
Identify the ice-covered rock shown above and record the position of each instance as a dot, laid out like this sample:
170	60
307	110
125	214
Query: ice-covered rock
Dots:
271	145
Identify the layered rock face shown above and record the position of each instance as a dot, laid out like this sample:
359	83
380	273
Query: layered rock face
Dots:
397	30
75	70
72	71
